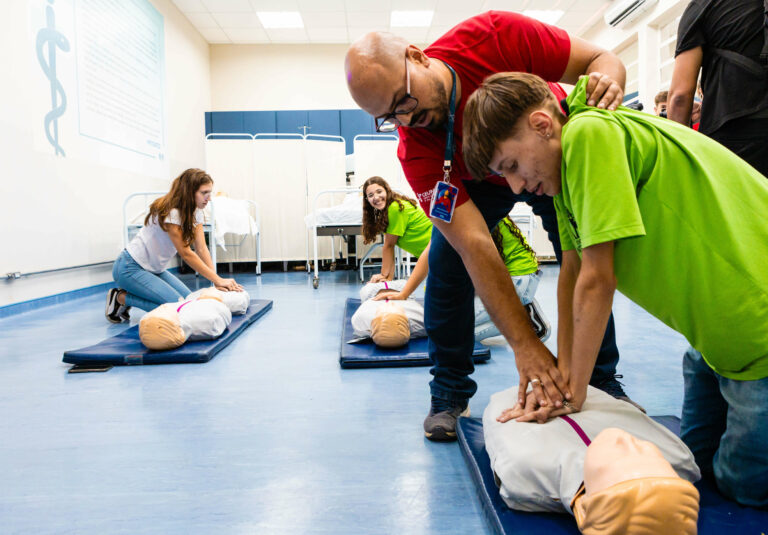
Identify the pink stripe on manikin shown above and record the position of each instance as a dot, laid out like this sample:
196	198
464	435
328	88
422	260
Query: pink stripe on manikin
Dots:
578	429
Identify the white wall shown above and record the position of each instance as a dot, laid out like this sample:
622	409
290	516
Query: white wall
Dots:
279	77
645	31
59	210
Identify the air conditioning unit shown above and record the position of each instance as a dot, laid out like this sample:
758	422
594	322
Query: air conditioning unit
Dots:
622	12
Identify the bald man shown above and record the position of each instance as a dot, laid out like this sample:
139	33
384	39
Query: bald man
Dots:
410	89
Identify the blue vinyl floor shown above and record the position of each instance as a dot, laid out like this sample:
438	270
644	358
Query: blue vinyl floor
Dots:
271	436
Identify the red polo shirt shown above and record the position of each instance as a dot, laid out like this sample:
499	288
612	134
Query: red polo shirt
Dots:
496	41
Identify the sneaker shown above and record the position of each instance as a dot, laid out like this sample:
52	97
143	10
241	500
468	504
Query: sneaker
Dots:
538	320
111	310
124	313
440	423
611	385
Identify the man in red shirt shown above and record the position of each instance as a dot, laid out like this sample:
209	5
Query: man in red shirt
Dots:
401	85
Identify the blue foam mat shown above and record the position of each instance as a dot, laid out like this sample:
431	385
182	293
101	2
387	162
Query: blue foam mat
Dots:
717	515
369	355
126	348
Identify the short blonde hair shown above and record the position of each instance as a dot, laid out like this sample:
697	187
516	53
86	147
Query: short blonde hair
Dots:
492	112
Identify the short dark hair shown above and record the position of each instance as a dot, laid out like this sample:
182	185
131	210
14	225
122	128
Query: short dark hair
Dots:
492	112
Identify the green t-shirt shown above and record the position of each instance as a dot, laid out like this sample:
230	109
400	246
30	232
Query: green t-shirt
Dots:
690	222
412	225
517	258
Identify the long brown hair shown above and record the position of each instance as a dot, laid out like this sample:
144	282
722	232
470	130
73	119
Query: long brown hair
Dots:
492	112
376	221
181	197
498	239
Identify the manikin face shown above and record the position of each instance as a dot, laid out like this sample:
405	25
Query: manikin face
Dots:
376	196
530	160
203	195
616	456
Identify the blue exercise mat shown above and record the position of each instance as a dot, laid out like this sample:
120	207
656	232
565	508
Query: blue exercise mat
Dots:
368	355
126	348
717	515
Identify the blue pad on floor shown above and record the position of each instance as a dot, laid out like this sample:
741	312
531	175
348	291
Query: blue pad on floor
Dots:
368	355
126	347
717	515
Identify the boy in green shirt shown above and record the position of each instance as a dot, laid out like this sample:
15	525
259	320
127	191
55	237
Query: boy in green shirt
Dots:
673	220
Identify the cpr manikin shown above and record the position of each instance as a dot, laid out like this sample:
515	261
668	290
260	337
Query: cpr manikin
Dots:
388	323
629	488
541	467
203	315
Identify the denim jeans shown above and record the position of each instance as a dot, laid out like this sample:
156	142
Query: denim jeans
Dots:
144	289
725	425
448	306
525	286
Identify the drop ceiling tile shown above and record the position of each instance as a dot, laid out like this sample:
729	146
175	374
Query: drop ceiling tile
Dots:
237	20
328	35
247	35
287	35
214	35
321	5
201	20
413	5
190	6
227	6
324	19
367	5
372	18
275	5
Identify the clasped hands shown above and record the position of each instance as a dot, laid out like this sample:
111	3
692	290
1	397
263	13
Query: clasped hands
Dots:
550	394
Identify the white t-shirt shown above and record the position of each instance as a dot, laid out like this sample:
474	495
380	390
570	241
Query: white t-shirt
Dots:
152	248
540	466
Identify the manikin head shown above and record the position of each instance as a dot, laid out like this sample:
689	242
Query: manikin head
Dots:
630	489
160	329
390	78
389	327
512	127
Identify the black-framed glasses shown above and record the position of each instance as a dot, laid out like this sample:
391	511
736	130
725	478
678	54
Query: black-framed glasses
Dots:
407	104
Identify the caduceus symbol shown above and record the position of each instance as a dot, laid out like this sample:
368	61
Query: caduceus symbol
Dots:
53	39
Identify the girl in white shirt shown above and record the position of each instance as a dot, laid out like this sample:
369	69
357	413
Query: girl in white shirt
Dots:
174	223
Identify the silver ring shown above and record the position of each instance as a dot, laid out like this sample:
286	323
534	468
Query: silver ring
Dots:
535	380
567	404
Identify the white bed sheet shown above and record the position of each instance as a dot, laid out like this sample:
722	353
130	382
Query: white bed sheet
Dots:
348	213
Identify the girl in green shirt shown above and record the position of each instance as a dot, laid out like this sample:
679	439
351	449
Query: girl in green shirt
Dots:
523	267
403	223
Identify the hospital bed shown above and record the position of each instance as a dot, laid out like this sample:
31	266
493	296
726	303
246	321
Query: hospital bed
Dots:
345	219
132	223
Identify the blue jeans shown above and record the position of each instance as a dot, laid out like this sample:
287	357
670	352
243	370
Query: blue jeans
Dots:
725	425
525	286
448	306
144	289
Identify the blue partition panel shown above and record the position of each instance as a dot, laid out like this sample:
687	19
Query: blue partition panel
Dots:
292	121
324	122
259	122
227	122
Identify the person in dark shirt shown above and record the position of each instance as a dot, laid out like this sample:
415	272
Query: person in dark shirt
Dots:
728	41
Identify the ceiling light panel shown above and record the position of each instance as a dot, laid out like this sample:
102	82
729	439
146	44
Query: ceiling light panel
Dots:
280	19
550	16
411	19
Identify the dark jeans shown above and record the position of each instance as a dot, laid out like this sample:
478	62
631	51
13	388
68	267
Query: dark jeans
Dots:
748	138
448	307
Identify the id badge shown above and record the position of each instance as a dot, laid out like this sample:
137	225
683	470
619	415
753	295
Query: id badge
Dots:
443	201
